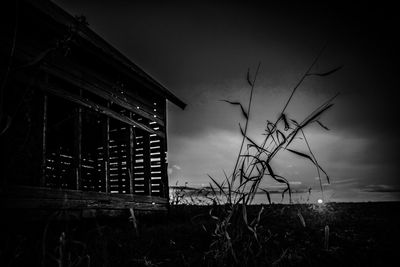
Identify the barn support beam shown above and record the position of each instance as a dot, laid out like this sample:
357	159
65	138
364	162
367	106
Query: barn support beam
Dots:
78	147
164	170
42	181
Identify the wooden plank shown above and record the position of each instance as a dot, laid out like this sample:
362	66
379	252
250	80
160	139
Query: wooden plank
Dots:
128	93
67	204
103	91
62	67
138	170
119	157
164	151
58	169
91	105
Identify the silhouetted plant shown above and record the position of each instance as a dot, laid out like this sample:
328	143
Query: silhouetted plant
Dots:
237	238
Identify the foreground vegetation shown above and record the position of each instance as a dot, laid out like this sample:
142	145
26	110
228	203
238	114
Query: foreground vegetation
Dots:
360	234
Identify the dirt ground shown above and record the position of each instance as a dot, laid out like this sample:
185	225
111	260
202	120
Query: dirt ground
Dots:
360	234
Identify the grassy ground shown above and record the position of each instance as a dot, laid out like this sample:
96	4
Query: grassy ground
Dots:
360	234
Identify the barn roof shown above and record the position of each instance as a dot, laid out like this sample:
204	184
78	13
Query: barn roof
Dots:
124	64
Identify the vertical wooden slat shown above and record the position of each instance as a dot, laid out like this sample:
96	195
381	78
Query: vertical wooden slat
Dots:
44	138
107	153
131	155
78	147
146	163
164	149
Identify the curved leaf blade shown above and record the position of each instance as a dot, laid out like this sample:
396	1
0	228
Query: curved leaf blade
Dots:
322	74
244	113
323	126
301	154
248	78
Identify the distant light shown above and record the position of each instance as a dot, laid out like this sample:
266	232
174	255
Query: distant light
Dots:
320	201
153	203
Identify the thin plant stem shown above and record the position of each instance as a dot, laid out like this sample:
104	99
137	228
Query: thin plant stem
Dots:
247	123
316	164
290	98
303	77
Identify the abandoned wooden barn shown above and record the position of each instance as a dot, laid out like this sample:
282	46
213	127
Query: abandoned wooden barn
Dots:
82	127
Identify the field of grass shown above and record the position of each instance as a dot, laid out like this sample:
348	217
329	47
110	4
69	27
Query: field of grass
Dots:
360	234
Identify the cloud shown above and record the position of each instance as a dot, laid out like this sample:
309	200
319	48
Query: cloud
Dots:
358	195
381	188
209	153
344	181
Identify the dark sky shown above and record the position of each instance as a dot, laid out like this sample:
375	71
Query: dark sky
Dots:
201	51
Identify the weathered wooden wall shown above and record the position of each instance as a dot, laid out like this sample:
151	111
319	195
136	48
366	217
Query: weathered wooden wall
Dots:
83	118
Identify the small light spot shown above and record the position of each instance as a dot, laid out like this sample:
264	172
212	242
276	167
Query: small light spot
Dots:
320	201
153	203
